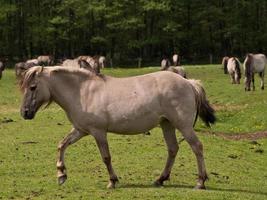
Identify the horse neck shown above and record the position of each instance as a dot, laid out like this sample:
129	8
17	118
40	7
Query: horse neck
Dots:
65	89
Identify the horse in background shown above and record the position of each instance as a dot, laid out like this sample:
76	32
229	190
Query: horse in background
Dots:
71	63
165	66
234	70
254	63
2	68
22	67
45	60
176	60
224	64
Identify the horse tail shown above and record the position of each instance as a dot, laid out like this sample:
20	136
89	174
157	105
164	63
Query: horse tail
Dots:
204	109
237	68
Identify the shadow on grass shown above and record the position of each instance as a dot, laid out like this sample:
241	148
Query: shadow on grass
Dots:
192	187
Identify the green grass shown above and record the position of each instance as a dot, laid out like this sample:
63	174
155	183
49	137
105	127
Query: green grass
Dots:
237	169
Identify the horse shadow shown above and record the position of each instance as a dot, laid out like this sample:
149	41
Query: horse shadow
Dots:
143	186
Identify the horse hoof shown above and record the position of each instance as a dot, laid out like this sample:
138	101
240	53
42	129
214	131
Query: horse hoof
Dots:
62	179
158	183
200	187
111	186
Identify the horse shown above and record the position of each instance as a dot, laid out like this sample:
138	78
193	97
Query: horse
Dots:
254	63
176	60
93	62
136	105
102	61
45	60
71	63
21	67
34	61
234	70
2	68
224	64
165	66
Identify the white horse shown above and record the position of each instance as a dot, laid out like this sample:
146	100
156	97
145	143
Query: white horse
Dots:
224	64
71	63
33	61
2	68
176	60
254	63
165	66
234	70
98	104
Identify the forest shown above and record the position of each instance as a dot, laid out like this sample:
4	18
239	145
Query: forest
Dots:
200	31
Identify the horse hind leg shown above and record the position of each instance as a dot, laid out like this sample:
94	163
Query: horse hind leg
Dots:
102	143
197	147
172	146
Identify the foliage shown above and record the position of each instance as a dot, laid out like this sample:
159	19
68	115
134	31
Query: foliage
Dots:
129	29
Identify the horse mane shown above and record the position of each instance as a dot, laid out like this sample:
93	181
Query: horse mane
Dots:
29	76
30	73
248	65
237	67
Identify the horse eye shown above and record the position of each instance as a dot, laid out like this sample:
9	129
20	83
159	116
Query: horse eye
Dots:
33	87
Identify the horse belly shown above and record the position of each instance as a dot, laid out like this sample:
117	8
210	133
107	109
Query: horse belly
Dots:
134	124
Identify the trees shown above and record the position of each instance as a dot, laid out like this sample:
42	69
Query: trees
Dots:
128	29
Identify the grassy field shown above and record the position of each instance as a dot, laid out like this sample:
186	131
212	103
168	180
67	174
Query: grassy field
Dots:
237	169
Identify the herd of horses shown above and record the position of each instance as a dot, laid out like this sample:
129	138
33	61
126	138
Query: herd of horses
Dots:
254	63
97	104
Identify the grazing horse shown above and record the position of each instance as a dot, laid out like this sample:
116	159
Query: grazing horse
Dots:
102	61
21	67
2	68
165	66
254	63
224	64
93	62
176	60
34	61
97	105
45	60
233	68
71	63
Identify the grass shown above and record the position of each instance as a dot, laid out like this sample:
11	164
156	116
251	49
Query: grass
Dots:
237	169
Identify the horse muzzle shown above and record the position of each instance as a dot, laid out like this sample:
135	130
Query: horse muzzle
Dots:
27	114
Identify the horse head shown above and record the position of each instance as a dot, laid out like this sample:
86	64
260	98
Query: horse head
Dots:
36	92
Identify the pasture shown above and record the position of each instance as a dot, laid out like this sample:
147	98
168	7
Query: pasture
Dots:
236	168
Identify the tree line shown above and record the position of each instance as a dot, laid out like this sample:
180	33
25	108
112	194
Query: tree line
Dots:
127	30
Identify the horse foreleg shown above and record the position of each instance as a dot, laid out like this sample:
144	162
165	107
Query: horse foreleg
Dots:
253	82
172	145
262	80
102	143
197	148
73	137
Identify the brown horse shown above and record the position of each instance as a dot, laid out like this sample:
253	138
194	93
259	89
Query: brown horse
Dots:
97	105
2	68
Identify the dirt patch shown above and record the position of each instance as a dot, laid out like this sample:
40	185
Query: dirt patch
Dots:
244	136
